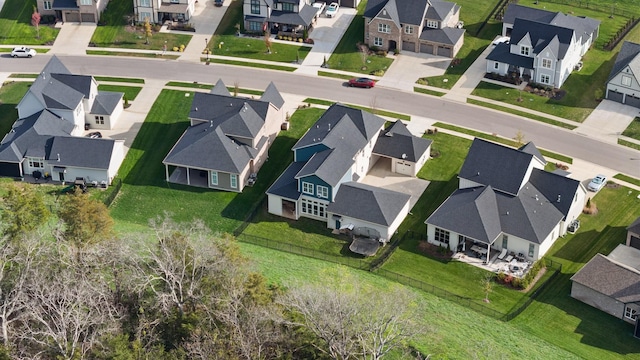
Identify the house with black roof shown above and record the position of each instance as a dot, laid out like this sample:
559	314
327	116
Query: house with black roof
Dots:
275	16
611	283
426	26
227	141
506	200
623	84
331	159
544	46
47	137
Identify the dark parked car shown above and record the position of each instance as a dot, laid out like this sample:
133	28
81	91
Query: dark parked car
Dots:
362	82
94	135
218	2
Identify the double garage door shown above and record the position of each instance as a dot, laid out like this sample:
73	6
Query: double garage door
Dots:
73	16
619	97
441	50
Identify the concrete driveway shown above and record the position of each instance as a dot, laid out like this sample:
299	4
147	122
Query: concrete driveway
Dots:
73	39
381	176
608	121
408	67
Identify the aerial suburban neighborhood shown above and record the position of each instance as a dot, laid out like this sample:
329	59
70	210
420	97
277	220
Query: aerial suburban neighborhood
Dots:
269	179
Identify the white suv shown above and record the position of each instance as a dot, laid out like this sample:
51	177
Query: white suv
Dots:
22	51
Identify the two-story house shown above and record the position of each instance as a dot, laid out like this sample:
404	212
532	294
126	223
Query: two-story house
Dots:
426	26
623	84
506	200
331	159
544	46
158	11
47	137
73	10
277	15
227	141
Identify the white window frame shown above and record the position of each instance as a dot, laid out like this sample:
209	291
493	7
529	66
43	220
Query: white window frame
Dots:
233	181
377	41
99	119
408	29
544	77
442	235
36	163
307	188
505	241
532	249
214	178
47	5
626	80
384	28
145	3
496	65
547	63
630	314
433	24
524	50
86	2
313	208
323	191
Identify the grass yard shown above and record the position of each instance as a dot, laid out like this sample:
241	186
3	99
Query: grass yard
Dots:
16	28
251	64
633	130
572	325
629	144
526	114
116	33
133	54
39	50
379	112
346	56
118	79
10	95
130	92
255	48
628	179
453	331
428	91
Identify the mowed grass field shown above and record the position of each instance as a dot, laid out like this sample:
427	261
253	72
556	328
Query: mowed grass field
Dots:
16	28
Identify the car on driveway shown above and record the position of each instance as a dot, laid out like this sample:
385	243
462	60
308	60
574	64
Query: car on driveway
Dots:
95	135
500	40
332	10
362	82
597	183
22	51
320	6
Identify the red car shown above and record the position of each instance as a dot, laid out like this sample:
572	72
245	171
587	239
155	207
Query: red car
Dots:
362	82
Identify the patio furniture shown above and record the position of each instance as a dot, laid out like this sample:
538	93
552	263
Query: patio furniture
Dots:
479	250
502	254
509	258
520	257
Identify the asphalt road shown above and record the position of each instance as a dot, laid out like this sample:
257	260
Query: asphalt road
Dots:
549	137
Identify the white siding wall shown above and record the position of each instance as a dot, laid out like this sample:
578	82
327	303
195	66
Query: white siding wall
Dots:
275	204
547	243
385	232
502	68
117	156
616	83
577	205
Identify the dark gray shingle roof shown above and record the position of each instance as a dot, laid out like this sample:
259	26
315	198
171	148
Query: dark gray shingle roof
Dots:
272	95
502	53
439	9
368	203
81	152
610	278
543	35
559	190
395	142
220	89
530	148
304	17
286	185
447	35
529	13
237	116
105	102
628	55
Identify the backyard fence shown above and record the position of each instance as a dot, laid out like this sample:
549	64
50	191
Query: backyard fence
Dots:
622	32
612	9
113	191
497	13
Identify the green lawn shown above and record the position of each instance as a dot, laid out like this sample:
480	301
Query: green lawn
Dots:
130	92
39	50
633	130
628	179
116	33
379	112
526	114
255	48
10	95
629	144
119	79
346	56
134	54
258	65
16	28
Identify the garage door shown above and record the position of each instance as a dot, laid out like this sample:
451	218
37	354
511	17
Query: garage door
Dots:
632	100
635	242
426	48
72	17
614	96
87	17
10	169
404	168
408	46
348	3
444	51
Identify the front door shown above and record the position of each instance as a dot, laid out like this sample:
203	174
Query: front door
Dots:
392	45
338	224
61	176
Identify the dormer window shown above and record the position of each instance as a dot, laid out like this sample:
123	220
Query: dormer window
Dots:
626	80
432	24
524	50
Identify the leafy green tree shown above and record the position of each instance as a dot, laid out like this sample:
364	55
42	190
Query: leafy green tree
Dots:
24	210
86	220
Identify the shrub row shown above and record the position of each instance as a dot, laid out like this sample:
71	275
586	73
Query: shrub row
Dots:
519	283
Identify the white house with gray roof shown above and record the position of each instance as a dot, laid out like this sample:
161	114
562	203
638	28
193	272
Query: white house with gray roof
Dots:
331	159
228	139
47	137
611	283
544	46
623	84
506	200
275	16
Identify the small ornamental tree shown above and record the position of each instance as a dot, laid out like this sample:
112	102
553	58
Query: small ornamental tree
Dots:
267	41
147	31
35	21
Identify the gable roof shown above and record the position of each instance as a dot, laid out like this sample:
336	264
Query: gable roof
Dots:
530	148
515	11
56	88
304	17
559	190
286	185
438	10
542	36
220	89
410	12
81	152
237	116
105	102
273	96
628	56
368	203
502	53
397	142
610	277
502	167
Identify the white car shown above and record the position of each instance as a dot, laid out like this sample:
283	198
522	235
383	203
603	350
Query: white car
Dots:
332	10
22	51
597	183
500	40
319	5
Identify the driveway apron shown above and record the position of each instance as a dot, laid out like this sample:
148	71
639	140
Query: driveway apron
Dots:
73	39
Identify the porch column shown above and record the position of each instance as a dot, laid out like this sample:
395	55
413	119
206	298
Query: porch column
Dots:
166	172
488	254
188	180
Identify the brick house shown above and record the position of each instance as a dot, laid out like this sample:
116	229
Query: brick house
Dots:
426	26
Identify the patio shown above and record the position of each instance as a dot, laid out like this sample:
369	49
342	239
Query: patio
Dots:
511	264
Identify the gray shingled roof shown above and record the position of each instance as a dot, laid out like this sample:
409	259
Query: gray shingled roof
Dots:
220	89
237	116
206	147
304	17
610	278
105	102
559	190
628	55
530	148
272	95
394	142
584	27
502	53
447	35
411	12
286	185
374	9
368	203
542	35
502	167
439	9
529	13
81	152
635	226
80	83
